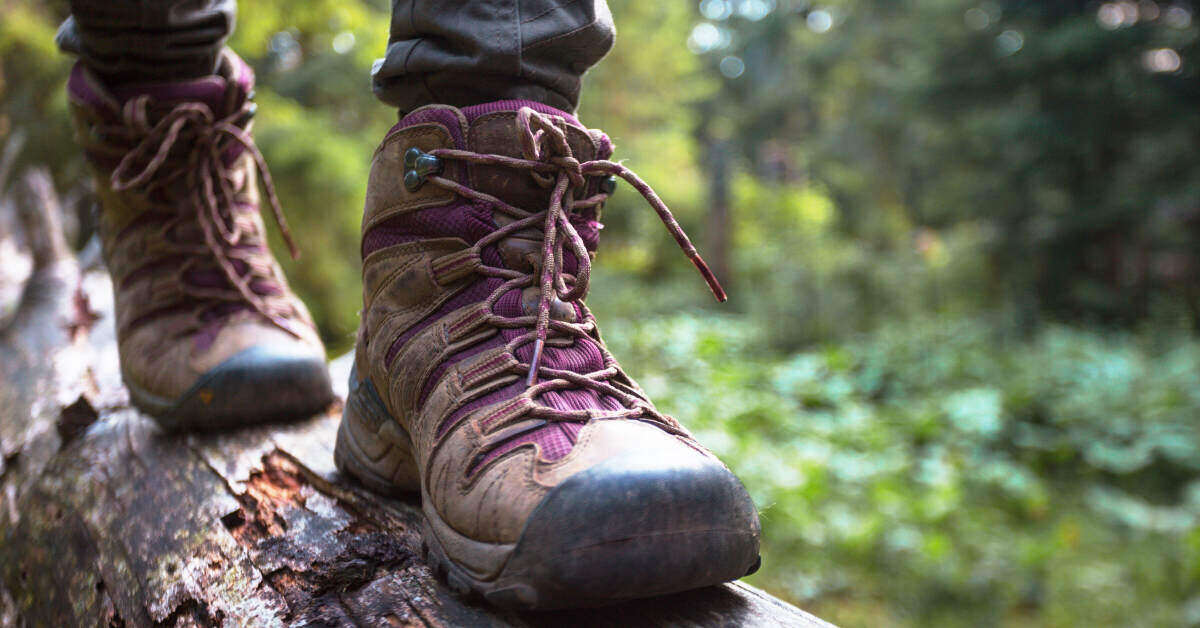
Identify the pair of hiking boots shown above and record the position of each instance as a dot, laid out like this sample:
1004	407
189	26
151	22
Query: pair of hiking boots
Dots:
480	380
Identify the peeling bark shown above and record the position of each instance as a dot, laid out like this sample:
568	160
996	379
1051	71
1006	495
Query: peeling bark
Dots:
107	521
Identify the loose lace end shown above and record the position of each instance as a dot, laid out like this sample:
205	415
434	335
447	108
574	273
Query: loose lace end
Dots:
709	278
531	378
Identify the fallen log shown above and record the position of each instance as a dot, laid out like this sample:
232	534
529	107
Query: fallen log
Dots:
105	520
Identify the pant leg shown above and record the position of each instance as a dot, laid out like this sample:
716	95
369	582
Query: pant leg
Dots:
465	52
127	41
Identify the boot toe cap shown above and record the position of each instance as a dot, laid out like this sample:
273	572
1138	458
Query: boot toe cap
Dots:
259	384
636	525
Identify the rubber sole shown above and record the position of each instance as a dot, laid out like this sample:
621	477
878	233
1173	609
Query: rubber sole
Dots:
619	571
255	386
631	527
372	447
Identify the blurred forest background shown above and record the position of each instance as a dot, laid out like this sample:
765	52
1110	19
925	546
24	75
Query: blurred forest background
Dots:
959	371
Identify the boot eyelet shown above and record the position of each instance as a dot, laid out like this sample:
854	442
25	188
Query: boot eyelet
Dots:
608	184
247	113
412	180
417	166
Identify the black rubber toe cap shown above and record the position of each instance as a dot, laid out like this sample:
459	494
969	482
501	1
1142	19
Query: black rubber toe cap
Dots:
631	527
258	385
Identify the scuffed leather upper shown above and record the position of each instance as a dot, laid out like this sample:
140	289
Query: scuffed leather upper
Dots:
177	314
436	356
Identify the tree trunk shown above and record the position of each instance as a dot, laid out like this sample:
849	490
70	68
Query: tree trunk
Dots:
105	520
720	221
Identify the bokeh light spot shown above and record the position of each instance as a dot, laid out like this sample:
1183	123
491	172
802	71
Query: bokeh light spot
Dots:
732	67
1178	16
977	19
704	38
343	42
819	21
1009	43
1162	60
755	10
1114	15
716	10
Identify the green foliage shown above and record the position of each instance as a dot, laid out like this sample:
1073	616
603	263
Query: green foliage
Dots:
1060	132
938	473
31	77
305	145
640	96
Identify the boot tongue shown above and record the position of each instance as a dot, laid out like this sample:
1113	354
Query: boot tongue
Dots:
493	129
222	92
210	90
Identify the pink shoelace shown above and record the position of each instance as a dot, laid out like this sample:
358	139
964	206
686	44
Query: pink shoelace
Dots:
207	173
549	159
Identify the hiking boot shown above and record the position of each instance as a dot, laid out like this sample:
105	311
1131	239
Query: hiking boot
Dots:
547	477
209	333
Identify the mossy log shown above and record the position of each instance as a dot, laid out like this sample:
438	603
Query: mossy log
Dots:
106	520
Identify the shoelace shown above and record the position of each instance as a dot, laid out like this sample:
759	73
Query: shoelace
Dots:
209	178
549	159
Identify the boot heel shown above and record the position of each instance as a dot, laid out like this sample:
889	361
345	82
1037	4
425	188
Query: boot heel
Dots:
372	446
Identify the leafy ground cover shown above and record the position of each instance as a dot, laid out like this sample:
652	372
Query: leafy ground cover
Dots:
941	472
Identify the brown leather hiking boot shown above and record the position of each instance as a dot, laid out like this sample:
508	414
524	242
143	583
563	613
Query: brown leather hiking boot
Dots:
209	333
547	478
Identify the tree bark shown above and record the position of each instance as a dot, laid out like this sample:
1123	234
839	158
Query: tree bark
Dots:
105	520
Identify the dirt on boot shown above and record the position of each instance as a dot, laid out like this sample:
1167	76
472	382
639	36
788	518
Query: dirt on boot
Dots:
547	477
210	334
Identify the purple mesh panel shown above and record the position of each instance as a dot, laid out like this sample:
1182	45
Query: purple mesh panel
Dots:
148	268
440	115
173	308
605	148
572	430
83	88
214	319
265	287
209	90
475	293
555	440
145	219
241	73
509	304
582	357
385	236
476	111
218	312
576	399
469	221
588	228
214	277
508	392
206	278
453	359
